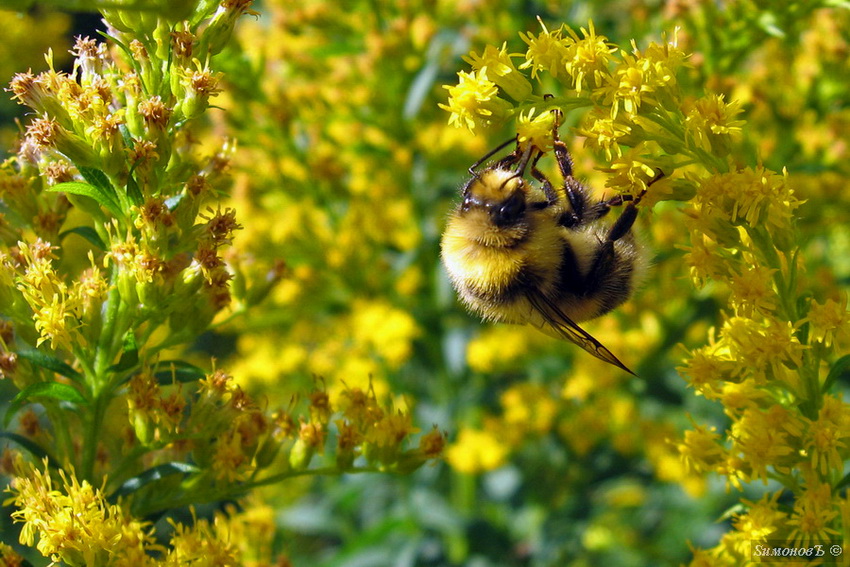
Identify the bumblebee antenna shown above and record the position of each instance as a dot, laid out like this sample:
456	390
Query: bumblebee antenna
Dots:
490	154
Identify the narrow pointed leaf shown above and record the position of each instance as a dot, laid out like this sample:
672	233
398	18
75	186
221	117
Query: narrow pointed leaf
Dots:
152	475
171	371
87	190
34	448
88	233
50	363
41	390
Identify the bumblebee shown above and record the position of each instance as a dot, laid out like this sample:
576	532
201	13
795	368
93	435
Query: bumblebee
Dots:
519	253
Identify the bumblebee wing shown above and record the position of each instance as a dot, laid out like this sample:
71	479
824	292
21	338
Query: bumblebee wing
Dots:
565	327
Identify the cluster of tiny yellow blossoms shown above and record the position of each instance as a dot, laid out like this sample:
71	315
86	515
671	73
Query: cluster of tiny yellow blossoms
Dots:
115	252
629	99
768	361
72	522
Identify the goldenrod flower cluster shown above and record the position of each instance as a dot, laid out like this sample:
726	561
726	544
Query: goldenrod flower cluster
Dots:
116	251
768	360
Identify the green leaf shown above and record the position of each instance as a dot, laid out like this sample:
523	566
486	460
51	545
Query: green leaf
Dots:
840	369
151	475
50	390
86	232
129	356
50	363
97	178
177	371
34	448
133	191
86	190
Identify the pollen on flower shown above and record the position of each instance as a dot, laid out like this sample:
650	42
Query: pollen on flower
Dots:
28	89
588	59
105	128
204	83
761	519
762	346
535	130
391	430
43	132
155	113
546	52
474	100
221	225
143	153
825	439
706	369
182	41
71	519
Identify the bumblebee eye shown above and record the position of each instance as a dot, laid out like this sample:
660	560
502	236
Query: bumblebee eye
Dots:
509	211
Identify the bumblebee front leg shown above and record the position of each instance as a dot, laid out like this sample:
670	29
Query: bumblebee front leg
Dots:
576	192
551	195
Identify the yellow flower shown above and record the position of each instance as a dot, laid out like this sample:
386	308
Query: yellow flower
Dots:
760	347
202	543
704	260
546	52
587	59
630	172
536	131
813	513
761	443
391	430
707	368
528	407
604	132
825	437
475	452
73	522
752	196
737	397
385	329
503	71
496	347
701	449
761	519
752	290
475	101
829	322
710	124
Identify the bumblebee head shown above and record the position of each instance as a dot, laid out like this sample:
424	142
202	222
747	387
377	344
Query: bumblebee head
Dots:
499	195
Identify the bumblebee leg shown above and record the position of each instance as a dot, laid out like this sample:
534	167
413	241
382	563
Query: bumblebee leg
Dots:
605	259
551	195
600	209
575	191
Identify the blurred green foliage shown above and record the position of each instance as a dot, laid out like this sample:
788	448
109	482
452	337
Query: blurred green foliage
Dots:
345	169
